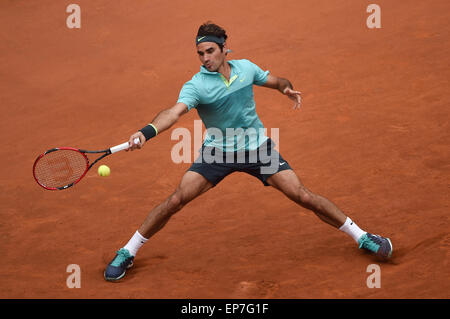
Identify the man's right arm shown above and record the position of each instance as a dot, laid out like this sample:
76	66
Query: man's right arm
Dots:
163	121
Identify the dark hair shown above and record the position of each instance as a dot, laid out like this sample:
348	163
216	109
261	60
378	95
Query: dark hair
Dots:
209	28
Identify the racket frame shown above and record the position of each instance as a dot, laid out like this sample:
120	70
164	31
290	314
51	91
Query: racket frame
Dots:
82	152
107	152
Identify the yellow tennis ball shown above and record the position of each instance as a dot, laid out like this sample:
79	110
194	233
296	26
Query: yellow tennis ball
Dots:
104	170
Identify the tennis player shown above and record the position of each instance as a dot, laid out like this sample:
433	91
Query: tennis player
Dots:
222	94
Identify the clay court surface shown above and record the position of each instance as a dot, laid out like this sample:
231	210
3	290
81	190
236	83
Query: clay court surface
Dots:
372	136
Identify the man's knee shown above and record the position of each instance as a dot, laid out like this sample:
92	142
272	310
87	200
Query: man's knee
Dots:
305	197
174	203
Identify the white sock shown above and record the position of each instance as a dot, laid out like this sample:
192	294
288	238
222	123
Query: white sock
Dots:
135	243
351	229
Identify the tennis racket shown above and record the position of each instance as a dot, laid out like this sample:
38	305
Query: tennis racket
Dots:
62	167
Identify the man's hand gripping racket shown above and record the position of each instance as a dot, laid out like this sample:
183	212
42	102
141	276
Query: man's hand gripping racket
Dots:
62	167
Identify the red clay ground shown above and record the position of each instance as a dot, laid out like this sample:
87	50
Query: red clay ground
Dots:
372	135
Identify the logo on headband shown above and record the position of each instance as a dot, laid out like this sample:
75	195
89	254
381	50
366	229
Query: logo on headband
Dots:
210	38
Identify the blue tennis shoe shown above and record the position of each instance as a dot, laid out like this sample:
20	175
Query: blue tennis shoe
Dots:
380	246
119	265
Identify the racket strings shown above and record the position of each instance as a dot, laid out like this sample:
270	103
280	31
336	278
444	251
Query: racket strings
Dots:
60	168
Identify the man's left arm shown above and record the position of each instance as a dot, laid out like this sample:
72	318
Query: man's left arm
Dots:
285	87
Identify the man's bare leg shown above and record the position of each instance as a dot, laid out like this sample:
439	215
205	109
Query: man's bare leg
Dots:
288	183
191	186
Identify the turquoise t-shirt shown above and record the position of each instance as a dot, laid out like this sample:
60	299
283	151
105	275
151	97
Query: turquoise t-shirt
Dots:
227	108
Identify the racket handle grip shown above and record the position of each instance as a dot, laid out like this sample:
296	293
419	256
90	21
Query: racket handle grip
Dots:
123	146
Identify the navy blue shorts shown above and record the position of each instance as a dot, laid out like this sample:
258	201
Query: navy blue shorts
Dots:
214	164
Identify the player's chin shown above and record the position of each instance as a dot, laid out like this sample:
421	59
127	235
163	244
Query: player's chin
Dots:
210	68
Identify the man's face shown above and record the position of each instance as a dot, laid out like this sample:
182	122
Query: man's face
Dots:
210	55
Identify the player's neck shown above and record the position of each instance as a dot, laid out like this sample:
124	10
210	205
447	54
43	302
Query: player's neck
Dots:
225	69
